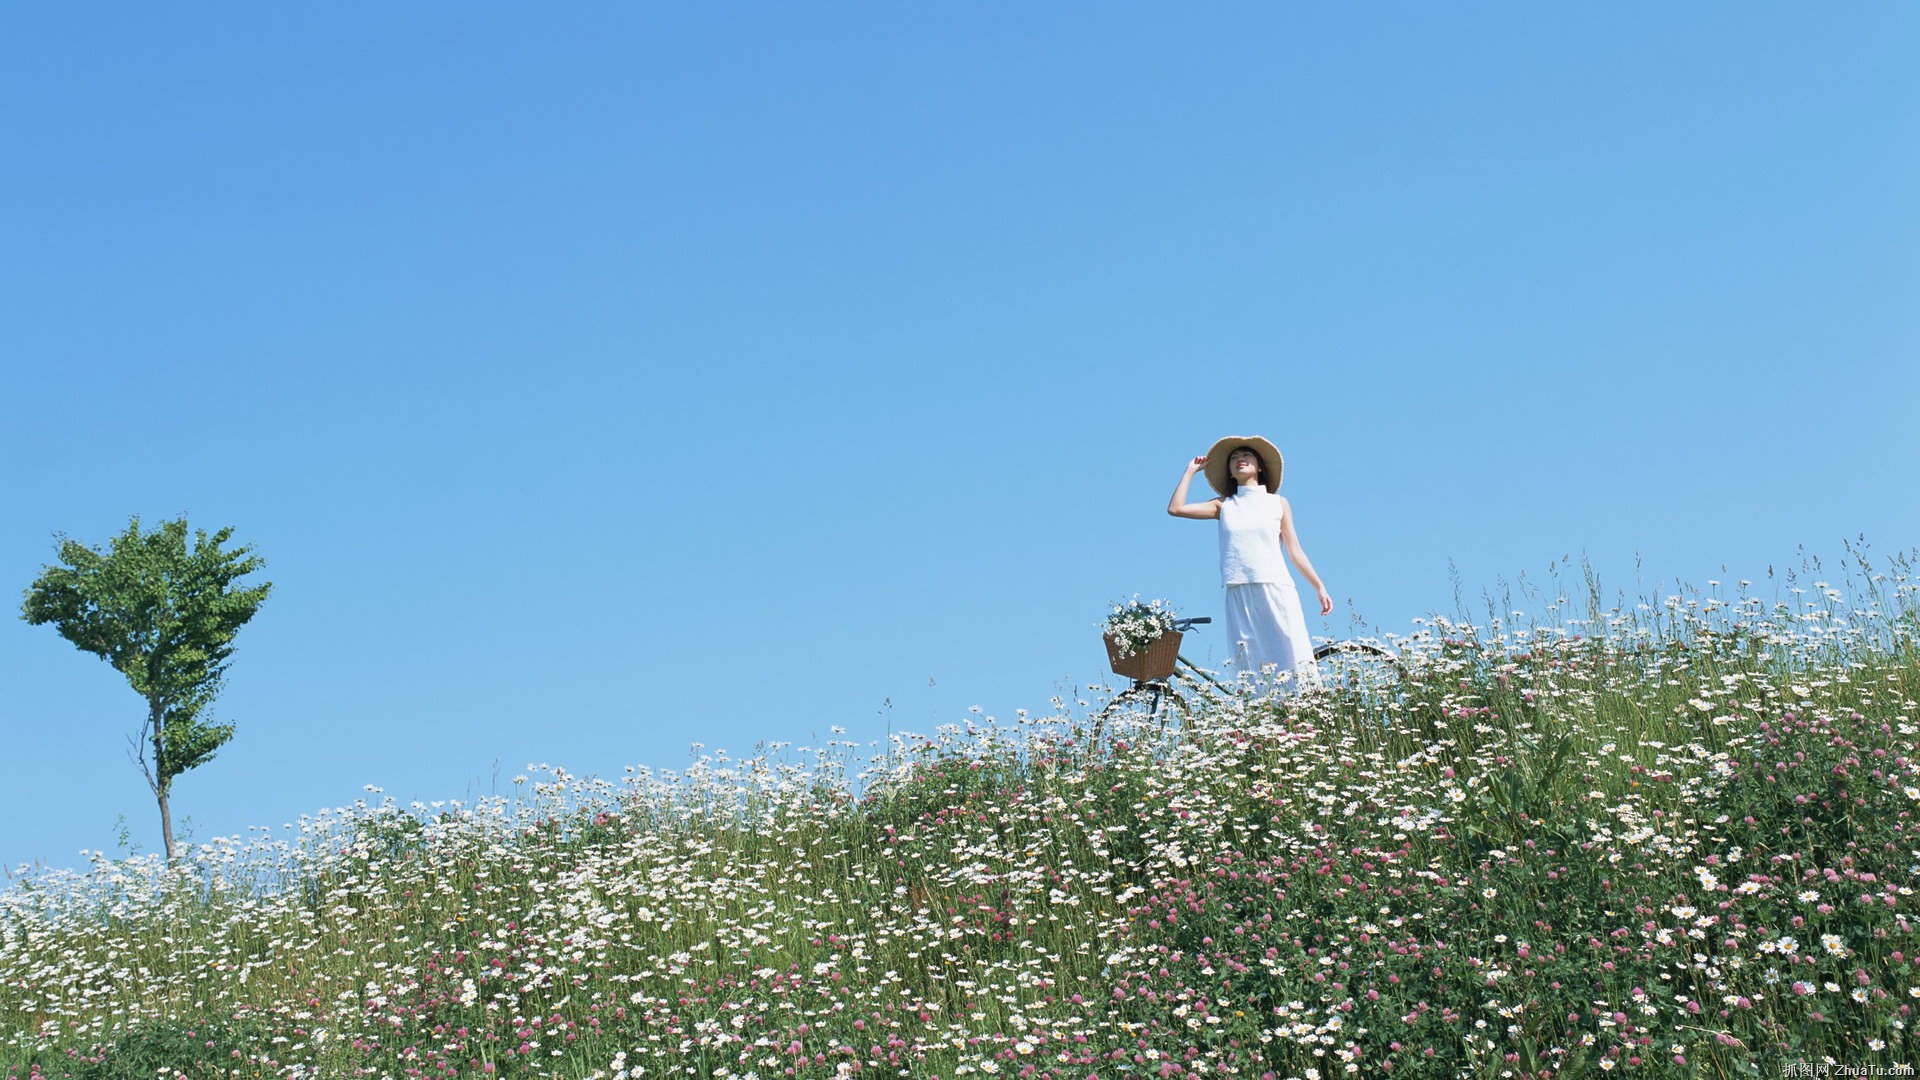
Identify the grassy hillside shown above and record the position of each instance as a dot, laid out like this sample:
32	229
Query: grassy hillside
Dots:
1671	840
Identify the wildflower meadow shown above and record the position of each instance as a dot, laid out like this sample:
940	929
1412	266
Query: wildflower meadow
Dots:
1672	838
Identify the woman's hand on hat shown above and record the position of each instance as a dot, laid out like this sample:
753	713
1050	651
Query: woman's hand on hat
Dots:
1197	463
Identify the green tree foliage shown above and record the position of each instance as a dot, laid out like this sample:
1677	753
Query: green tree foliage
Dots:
164	613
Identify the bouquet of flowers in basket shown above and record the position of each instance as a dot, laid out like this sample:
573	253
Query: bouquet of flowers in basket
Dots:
1133	625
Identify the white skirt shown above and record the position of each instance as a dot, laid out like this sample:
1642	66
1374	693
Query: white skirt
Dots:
1266	626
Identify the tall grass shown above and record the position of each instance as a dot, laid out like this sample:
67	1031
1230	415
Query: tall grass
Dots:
1669	839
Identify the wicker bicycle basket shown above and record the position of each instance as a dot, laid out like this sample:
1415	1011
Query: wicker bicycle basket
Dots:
1156	661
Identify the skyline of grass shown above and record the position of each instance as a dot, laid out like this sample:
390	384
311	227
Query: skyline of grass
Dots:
1564	846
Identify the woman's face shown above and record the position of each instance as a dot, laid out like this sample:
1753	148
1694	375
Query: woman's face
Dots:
1243	463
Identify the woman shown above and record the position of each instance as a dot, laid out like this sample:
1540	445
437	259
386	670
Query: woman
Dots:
1264	622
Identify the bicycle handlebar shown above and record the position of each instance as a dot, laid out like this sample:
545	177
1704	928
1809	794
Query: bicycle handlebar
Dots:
1183	624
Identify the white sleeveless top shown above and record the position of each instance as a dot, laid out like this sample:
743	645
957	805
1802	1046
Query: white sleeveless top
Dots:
1250	538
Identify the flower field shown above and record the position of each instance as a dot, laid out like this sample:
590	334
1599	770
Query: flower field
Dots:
1673	839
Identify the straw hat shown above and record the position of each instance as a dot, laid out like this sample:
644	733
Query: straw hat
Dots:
1217	462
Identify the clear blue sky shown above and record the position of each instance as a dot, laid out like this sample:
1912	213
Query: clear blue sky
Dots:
601	378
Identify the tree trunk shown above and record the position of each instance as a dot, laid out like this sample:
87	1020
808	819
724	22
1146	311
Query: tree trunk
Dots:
166	825
156	713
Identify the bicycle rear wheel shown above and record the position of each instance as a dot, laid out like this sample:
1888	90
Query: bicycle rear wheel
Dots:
1358	665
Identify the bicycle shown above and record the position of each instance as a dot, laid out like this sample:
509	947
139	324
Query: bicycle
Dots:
1344	665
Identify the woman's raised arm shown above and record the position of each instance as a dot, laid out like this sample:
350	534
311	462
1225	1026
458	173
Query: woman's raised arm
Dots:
1178	506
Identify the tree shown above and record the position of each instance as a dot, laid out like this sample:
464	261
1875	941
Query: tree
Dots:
164	615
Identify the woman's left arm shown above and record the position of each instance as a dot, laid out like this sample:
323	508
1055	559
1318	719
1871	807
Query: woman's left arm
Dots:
1291	538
